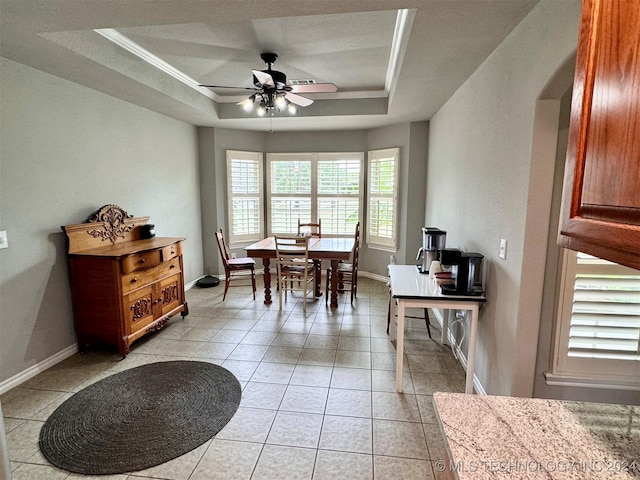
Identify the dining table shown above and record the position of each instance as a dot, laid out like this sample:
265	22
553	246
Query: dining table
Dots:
333	249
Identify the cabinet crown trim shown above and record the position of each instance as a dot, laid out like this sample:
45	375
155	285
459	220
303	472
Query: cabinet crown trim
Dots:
110	223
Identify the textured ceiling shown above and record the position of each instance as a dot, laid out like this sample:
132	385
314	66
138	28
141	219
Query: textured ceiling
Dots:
389	68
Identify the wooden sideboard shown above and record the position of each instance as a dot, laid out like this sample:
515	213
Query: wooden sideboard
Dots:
123	286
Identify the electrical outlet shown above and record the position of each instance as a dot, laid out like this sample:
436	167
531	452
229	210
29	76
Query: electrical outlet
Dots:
4	241
503	249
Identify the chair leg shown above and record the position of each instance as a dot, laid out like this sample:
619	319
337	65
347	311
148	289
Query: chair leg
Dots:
354	285
426	319
227	280
304	295
253	282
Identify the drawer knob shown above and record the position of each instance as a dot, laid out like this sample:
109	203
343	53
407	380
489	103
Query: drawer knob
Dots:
142	260
134	280
172	266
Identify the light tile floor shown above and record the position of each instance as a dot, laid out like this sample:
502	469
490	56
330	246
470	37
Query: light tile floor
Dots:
318	401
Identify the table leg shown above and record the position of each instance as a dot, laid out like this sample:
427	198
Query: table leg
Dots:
392	318
317	277
267	281
400	346
447	317
471	355
334	284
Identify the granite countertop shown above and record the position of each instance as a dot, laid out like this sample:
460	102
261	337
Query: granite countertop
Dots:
508	437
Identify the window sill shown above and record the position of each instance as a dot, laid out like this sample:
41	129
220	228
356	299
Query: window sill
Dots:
382	248
607	382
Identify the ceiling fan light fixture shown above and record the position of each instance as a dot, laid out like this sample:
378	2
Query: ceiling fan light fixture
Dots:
274	94
281	102
247	103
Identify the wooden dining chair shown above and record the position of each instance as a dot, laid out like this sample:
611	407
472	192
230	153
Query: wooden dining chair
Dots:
347	272
235	268
295	272
314	228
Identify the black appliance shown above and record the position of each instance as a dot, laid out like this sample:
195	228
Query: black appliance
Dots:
466	270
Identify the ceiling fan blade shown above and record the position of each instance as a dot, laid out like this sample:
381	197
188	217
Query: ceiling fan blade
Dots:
264	78
225	86
314	88
298	100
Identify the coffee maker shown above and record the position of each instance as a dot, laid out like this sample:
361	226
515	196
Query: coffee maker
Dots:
466	272
433	241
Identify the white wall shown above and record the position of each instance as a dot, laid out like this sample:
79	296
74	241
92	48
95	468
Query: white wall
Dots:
482	186
66	150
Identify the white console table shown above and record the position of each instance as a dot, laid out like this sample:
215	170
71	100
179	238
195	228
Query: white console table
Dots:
410	288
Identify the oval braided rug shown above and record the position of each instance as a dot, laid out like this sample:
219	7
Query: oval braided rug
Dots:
140	417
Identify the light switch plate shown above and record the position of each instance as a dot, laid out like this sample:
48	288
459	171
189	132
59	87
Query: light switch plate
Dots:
503	249
4	242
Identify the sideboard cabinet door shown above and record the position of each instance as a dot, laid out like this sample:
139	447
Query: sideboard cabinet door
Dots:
601	197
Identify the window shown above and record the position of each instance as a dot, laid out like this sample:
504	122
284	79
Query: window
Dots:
598	332
244	190
383	198
338	192
313	186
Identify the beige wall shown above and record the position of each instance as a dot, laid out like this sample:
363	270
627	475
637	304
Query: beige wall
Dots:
483	186
66	150
411	138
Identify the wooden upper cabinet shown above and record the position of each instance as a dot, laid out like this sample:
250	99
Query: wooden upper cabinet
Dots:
601	197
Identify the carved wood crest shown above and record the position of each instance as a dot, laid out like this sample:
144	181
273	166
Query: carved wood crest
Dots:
109	222
112	218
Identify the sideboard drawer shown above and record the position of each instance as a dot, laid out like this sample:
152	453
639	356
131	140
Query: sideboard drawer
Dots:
171	251
140	278
141	260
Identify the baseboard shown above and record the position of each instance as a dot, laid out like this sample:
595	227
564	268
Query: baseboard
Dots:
374	276
477	385
40	367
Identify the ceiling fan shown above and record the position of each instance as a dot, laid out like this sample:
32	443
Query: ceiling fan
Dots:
272	91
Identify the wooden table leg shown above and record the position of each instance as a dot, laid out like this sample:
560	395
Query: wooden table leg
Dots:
334	284
317	277
267	281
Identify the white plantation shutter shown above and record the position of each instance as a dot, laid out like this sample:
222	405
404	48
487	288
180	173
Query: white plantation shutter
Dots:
338	192
383	198
290	189
313	186
599	330
244	188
